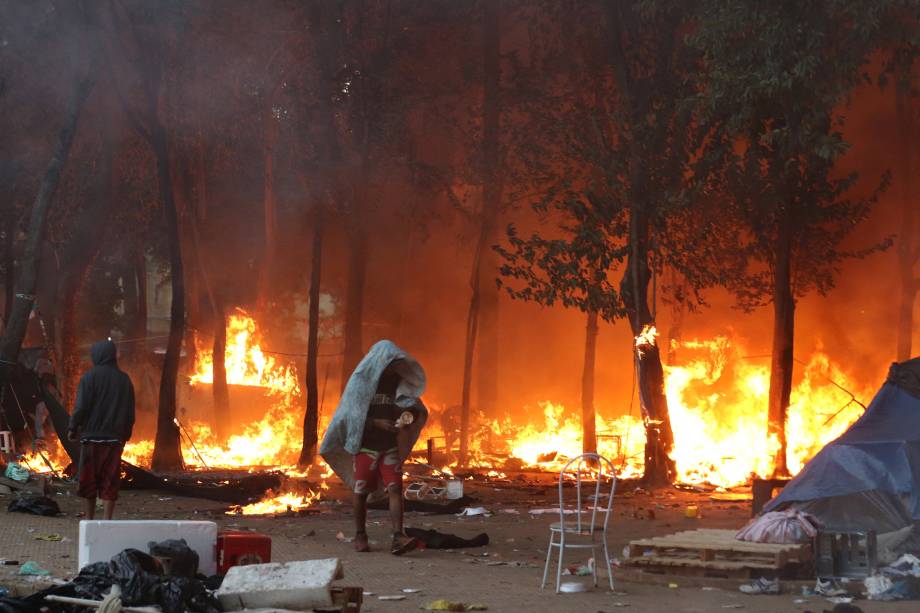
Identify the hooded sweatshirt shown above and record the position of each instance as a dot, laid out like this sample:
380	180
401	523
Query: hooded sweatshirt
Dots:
105	398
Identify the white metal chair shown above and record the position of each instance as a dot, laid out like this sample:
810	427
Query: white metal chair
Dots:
577	533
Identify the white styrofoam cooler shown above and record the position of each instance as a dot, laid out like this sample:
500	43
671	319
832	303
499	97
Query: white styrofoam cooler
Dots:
100	539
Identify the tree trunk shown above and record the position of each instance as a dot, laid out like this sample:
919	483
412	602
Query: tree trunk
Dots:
311	417
139	320
488	354
354	298
167	452
908	241
9	265
472	326
588	418
270	212
70	357
783	342
18	317
219	390
659	439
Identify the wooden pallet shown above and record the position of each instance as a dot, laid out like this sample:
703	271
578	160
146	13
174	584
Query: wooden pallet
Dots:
716	553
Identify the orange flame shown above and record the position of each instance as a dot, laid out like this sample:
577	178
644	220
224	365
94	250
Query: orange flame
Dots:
717	401
277	503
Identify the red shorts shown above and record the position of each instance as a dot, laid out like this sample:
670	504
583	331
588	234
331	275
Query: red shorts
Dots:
100	470
373	465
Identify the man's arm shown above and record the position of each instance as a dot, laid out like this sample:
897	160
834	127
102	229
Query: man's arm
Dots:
80	409
130	408
403	444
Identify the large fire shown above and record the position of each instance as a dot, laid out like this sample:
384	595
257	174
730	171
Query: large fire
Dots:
274	441
717	400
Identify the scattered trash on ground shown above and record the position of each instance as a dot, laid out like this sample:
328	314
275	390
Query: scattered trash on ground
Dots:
393	597
573	587
33	569
16	472
840	599
827	587
474	512
883	587
345	539
448	605
36	505
579	571
552	511
49	537
761	586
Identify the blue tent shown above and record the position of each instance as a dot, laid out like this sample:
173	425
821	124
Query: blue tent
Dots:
869	478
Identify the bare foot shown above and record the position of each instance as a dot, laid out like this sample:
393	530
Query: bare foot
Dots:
361	544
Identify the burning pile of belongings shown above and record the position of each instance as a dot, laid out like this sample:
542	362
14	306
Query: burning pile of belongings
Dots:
848	518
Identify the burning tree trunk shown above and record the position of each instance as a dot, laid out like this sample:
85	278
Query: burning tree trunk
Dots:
311	416
783	342
908	241
219	390
167	452
17	317
588	420
659	439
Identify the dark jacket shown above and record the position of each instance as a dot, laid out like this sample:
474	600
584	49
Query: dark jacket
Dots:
105	398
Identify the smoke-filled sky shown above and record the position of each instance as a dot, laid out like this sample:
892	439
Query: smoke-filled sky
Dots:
231	73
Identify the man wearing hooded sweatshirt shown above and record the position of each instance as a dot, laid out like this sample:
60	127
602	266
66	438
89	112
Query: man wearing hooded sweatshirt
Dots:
102	420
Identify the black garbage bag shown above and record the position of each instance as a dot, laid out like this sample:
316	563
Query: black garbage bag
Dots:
178	559
440	540
140	577
37	505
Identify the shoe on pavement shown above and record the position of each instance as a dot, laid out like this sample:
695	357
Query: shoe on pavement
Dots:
761	586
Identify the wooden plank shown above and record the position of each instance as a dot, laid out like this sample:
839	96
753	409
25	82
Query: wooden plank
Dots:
716	564
347	599
717	536
740	545
638	548
781	557
648	576
683	540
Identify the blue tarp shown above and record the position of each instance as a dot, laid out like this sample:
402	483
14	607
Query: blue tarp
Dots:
879	455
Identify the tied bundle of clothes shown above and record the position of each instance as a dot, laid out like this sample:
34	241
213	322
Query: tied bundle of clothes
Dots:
782	527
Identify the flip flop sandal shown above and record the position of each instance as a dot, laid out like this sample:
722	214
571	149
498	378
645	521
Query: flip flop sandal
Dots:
399	548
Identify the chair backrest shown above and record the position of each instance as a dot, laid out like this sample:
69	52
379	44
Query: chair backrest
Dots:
590	473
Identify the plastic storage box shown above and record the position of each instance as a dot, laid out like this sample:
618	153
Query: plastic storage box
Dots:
240	548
